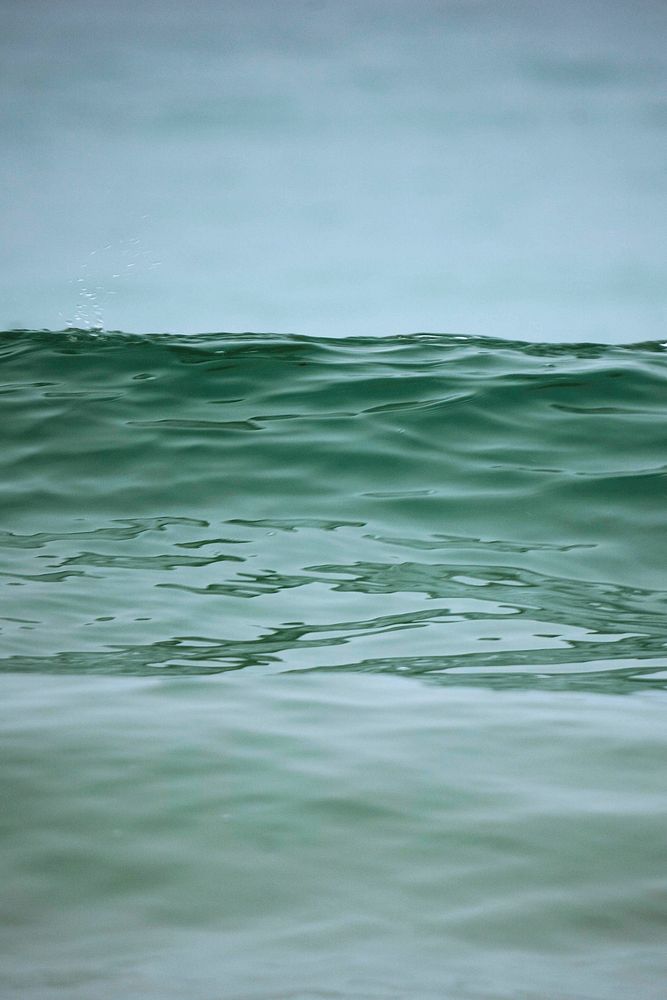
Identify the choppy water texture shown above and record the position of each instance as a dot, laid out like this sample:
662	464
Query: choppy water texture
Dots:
452	508
481	522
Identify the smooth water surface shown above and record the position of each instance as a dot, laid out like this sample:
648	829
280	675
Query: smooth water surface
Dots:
327	837
332	668
336	168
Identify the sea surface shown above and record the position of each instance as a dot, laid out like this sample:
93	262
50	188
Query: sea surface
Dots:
332	669
333	660
335	167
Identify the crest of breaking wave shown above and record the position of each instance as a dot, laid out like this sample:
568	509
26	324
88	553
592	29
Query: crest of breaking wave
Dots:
468	510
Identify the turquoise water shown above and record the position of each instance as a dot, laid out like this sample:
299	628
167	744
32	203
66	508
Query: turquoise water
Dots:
336	168
332	668
443	506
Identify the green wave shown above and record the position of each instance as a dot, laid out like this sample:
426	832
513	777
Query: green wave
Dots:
469	510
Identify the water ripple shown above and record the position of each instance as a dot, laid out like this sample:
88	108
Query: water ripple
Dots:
524	483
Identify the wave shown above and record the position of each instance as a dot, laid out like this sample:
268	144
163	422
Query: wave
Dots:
464	509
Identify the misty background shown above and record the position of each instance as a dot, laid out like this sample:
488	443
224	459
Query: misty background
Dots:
335	168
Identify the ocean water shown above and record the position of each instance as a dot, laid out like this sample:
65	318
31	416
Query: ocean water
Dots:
332	668
333	660
335	167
